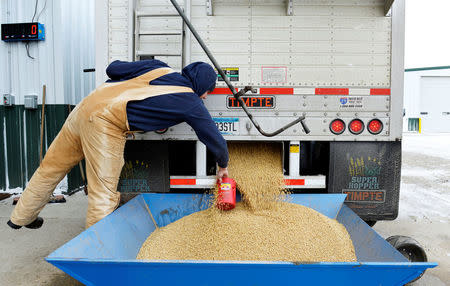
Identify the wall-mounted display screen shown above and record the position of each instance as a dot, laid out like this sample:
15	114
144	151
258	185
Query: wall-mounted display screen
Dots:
23	32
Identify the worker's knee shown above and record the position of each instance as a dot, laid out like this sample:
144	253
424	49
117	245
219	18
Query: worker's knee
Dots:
100	206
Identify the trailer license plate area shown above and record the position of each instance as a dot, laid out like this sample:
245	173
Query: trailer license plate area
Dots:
227	126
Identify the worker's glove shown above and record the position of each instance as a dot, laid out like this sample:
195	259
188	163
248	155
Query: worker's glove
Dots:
221	173
37	223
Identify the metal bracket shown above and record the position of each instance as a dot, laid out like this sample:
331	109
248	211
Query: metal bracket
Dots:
209	7
238	96
290	7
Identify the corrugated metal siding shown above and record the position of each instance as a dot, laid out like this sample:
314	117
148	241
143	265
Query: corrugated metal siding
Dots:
15	146
2	149
79	49
32	140
59	62
24	75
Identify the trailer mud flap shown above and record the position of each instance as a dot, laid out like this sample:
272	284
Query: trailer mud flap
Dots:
146	168
369	173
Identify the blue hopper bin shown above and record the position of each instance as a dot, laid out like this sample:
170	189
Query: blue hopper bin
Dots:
105	254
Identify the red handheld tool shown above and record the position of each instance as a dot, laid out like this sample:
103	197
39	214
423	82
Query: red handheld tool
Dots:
226	199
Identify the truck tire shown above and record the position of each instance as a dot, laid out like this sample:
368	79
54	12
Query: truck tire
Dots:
409	248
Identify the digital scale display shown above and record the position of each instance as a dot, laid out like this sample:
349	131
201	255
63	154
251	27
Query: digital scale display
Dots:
23	32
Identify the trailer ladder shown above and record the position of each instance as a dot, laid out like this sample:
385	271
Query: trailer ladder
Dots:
142	53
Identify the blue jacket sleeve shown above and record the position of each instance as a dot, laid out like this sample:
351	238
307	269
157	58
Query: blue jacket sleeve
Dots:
205	128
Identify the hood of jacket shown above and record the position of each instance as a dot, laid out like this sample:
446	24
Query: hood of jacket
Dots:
199	76
202	76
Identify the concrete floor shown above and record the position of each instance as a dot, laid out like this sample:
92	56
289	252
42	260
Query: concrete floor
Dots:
424	212
22	252
424	215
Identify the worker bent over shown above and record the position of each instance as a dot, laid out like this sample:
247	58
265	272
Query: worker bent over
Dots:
139	96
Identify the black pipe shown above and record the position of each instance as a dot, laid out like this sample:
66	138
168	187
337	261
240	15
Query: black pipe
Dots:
237	95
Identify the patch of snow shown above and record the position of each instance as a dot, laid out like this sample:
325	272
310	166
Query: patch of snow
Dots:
59	190
422	172
437	145
17	190
417	202
425	187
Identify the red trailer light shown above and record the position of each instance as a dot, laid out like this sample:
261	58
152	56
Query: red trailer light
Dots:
375	126
337	126
356	126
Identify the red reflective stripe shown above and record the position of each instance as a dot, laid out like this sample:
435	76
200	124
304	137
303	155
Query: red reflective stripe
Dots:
332	91
176	182
380	91
222	90
276	90
294	182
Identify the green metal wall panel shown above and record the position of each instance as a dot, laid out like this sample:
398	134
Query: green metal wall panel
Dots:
2	150
32	140
74	178
22	133
15	146
55	117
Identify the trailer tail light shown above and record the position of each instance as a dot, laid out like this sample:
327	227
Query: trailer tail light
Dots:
337	126
356	126
375	126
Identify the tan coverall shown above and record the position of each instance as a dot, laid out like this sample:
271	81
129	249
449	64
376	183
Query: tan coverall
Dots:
95	130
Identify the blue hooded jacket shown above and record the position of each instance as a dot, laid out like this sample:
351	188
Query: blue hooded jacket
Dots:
163	111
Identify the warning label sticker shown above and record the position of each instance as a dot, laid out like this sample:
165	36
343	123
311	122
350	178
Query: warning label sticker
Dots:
231	73
351	102
294	149
274	74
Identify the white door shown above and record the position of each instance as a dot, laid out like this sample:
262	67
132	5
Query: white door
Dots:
435	103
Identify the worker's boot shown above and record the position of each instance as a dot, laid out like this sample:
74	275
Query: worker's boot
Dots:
37	223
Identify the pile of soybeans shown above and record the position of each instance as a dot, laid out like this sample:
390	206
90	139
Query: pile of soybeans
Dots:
262	227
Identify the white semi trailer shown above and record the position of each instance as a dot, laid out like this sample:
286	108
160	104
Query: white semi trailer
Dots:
337	62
